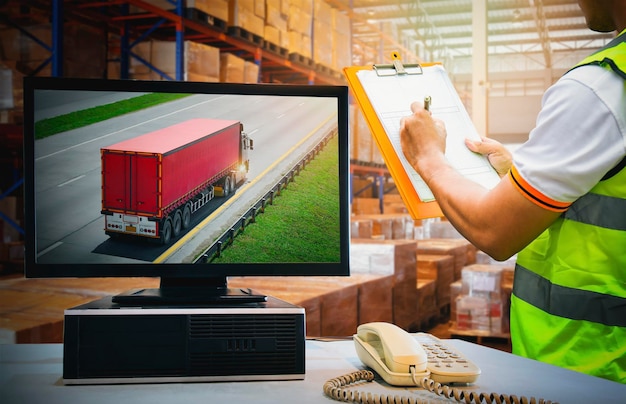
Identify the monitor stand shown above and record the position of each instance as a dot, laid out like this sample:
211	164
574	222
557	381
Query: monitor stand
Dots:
189	291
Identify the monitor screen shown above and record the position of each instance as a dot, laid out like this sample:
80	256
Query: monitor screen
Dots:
185	180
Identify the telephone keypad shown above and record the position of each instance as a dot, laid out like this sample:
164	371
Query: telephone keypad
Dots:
446	364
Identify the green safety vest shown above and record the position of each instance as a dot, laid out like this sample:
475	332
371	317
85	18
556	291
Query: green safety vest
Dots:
568	306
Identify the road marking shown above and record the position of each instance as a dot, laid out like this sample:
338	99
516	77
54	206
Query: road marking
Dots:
70	181
47	250
191	233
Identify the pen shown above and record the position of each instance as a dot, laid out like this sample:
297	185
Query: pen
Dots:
427	101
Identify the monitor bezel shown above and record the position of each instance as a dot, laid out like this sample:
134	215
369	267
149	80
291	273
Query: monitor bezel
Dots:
34	269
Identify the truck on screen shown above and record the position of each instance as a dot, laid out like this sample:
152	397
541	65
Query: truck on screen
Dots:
153	184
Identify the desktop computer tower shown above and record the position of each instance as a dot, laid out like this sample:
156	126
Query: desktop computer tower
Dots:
108	343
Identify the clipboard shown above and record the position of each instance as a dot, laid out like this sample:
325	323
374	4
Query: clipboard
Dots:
384	94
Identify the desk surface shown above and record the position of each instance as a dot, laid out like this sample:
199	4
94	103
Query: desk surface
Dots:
33	374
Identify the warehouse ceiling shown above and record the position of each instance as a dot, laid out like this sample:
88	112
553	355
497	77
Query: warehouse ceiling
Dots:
442	29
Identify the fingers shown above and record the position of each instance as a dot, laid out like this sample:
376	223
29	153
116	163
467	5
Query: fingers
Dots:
473	145
499	156
418	106
484	146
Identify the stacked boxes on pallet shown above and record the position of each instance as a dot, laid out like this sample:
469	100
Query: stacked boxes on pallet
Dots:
439	268
249	16
482	301
390	257
388	226
323	31
342	43
463	251
334	305
363	147
31	310
299	21
426	302
275	32
213	8
201	62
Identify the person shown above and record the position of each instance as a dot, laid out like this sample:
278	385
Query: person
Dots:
560	206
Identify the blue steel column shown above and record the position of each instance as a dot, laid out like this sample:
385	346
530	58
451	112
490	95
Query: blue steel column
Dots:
125	47
257	60
5	217
57	38
381	189
180	43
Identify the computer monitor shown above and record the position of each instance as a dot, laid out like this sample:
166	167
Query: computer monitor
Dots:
186	181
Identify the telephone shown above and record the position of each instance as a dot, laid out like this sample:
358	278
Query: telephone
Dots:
402	359
392	352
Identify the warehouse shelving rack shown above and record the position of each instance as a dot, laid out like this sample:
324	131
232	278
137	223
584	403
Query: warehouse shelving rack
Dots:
381	180
179	24
176	24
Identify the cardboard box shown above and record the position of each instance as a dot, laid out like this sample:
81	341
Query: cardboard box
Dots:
439	268
479	313
482	280
250	72
481	305
231	68
242	14
360	228
365	206
463	251
426	301
384	256
200	63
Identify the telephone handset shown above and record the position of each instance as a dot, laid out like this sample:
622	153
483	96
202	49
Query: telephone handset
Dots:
402	359
391	352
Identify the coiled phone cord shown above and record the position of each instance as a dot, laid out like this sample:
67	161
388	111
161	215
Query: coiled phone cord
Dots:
336	388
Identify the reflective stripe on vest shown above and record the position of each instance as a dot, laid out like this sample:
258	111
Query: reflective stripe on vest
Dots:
575	304
617	60
599	210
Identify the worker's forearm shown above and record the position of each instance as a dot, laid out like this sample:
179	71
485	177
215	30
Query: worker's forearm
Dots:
467	206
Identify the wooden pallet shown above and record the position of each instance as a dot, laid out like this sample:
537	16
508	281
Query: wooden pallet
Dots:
300	59
206	19
479	336
240	33
275	49
324	69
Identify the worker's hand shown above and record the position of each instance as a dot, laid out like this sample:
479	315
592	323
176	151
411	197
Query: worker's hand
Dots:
499	156
421	136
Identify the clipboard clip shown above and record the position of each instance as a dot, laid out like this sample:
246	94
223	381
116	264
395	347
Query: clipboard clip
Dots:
397	68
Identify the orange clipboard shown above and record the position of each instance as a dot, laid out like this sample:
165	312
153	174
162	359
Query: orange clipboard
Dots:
419	208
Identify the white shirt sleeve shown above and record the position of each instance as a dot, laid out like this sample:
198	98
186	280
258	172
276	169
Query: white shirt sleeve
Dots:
580	134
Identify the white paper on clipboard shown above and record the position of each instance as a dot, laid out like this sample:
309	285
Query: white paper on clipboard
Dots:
391	97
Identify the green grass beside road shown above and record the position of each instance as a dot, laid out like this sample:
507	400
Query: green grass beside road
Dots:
78	119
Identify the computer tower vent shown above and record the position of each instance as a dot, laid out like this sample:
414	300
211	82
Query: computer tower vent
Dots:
235	344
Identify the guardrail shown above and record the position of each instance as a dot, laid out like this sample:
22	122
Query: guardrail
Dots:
228	237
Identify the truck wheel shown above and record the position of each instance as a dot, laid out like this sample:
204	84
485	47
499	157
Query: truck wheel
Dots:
186	215
227	186
233	183
177	224
166	231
